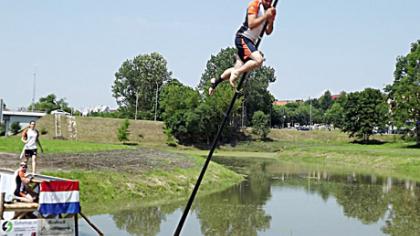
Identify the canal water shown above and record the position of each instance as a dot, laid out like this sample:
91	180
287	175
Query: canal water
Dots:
277	200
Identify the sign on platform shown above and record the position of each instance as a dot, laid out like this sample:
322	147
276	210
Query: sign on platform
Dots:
19	227
38	227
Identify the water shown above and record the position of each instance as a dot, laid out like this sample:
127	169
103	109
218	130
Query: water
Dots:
284	202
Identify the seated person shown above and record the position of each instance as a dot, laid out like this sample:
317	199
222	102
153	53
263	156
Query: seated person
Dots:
23	191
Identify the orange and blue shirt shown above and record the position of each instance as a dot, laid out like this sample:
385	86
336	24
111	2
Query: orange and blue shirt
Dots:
254	8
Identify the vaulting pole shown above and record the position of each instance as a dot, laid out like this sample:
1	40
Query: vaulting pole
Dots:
214	145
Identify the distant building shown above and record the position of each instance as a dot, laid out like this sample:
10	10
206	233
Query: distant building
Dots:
285	102
23	118
335	97
99	108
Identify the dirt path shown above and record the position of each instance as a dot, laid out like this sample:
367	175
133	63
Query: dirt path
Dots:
132	161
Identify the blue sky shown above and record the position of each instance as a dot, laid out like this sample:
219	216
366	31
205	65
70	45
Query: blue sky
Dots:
75	47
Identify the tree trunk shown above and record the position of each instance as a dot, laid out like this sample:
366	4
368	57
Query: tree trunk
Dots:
418	133
366	138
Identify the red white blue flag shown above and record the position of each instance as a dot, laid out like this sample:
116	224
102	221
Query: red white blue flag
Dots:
59	197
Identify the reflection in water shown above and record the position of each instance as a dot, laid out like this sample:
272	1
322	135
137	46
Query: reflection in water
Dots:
237	211
367	198
391	205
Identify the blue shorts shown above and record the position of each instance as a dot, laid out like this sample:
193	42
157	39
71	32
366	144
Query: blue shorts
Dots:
245	47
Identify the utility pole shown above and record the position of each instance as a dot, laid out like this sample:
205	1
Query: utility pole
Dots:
310	112
33	92
1	111
156	102
137	103
243	113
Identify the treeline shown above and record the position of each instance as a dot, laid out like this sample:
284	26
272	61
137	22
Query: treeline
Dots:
145	89
192	116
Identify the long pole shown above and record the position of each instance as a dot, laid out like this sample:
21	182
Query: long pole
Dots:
214	145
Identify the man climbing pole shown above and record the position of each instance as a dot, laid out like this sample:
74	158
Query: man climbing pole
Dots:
259	13
259	20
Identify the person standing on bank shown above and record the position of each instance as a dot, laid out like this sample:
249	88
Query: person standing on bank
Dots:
30	137
249	58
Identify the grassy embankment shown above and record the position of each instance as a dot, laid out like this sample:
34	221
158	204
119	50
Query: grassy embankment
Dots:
107	190
332	151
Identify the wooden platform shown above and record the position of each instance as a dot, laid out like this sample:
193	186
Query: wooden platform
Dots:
21	207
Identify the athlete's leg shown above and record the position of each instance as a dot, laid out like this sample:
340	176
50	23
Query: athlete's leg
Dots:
224	76
256	61
33	164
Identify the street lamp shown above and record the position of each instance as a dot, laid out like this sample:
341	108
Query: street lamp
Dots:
137	103
156	102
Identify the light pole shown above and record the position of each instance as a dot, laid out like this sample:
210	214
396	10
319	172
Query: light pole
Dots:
156	102
137	103
310	112
33	92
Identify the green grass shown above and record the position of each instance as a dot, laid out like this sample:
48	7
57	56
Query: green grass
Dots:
15	145
104	130
334	152
104	192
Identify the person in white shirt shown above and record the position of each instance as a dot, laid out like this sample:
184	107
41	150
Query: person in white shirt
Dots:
259	12
30	137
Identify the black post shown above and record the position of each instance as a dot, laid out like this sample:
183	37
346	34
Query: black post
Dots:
76	225
214	145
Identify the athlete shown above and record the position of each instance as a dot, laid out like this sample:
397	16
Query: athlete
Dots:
30	137
248	57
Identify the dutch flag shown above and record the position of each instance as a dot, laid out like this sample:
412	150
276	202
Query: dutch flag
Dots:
59	197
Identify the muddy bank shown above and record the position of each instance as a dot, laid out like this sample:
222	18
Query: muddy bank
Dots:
138	160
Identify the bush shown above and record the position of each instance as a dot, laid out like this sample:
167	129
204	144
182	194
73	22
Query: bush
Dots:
44	131
15	128
122	132
2	129
260	125
170	140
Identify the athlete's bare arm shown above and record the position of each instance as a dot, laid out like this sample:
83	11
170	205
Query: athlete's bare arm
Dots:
254	21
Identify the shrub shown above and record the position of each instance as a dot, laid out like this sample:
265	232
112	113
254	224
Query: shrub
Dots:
44	131
15	128
122	132
260	125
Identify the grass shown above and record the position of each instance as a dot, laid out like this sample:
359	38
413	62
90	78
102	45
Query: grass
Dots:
15	145
104	130
332	151
102	191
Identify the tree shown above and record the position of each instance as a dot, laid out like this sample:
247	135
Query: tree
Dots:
363	112
260	125
278	116
137	82
178	104
14	128
50	103
123	132
256	94
325	101
335	114
404	93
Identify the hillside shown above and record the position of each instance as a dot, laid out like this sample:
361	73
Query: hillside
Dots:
104	130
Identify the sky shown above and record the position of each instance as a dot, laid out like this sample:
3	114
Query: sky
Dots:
75	47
